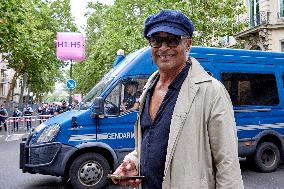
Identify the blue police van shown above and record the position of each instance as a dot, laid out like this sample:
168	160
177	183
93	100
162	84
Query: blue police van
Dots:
84	145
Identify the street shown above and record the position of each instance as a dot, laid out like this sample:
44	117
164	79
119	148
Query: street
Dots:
11	176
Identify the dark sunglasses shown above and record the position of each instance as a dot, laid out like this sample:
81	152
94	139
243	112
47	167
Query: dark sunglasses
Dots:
171	41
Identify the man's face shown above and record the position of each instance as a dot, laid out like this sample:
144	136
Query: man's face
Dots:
131	89
170	58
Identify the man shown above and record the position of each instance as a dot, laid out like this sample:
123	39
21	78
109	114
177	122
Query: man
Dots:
130	100
3	116
185	132
16	114
28	111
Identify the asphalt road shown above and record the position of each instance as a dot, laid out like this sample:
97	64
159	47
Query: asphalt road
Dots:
11	176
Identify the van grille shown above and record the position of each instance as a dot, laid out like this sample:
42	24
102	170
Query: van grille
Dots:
43	154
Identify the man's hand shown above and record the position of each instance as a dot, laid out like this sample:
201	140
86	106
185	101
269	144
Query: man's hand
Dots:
123	107
127	168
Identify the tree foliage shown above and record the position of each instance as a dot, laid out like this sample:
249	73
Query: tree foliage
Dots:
121	26
27	33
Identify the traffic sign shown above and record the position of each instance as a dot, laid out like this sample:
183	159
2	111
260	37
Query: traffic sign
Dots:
70	84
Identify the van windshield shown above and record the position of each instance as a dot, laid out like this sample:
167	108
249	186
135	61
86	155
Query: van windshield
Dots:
96	91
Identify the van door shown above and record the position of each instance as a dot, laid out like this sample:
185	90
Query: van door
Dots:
256	102
121	109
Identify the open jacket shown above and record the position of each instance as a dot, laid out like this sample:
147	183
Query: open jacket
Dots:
202	146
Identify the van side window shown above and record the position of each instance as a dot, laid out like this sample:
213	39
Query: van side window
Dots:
111	105
124	97
131	92
251	89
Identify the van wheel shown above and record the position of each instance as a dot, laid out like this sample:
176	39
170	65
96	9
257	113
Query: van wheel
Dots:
89	171
267	157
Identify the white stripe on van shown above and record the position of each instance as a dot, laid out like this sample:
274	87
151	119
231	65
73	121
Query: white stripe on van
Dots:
102	136
260	126
88	137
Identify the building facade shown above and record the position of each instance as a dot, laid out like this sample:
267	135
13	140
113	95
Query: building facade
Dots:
6	76
266	25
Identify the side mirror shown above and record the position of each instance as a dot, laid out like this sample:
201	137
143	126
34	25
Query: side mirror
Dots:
98	107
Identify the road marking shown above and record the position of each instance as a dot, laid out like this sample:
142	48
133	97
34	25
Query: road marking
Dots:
14	137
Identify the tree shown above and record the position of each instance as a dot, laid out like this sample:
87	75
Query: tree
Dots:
27	33
121	26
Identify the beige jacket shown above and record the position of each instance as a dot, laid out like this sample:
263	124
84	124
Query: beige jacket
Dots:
202	147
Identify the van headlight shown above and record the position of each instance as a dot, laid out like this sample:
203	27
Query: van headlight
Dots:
40	127
49	133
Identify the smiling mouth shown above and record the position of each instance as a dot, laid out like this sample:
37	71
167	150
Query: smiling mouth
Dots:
166	56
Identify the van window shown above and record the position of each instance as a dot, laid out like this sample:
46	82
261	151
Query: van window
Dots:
96	91
251	89
124	97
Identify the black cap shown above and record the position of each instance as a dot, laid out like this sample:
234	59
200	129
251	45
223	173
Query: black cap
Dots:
169	21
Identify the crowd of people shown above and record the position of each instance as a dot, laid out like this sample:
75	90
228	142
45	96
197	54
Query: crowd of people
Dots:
41	111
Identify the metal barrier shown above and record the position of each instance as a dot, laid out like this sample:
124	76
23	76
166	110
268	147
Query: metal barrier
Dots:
24	124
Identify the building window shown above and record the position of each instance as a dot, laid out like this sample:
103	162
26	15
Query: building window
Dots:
251	89
254	13
282	46
281	8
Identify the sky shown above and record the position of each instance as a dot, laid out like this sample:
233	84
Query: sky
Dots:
78	9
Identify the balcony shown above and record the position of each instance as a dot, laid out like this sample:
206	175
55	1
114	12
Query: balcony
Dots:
262	18
258	25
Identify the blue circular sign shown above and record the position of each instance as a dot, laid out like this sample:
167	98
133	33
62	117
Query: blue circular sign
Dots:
70	84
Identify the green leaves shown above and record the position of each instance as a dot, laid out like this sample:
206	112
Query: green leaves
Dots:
27	33
28	30
120	26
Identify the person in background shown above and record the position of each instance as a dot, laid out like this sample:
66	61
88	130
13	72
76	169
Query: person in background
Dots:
119	57
186	132
64	106
50	109
40	111
28	111
16	114
45	113
130	100
75	105
57	109
3	117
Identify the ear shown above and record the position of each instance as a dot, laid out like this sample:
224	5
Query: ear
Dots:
188	44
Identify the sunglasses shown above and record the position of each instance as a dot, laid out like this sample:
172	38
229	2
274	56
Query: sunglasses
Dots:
171	41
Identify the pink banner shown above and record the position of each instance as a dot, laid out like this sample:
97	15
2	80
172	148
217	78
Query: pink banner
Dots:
70	46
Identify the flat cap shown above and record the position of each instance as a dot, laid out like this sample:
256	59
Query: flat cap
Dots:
170	21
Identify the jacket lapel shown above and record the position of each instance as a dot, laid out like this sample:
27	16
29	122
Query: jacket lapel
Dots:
184	102
181	110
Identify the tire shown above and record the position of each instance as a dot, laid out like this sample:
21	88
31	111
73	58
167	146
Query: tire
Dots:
267	157
89	171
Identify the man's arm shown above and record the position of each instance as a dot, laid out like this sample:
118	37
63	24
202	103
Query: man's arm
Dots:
223	142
